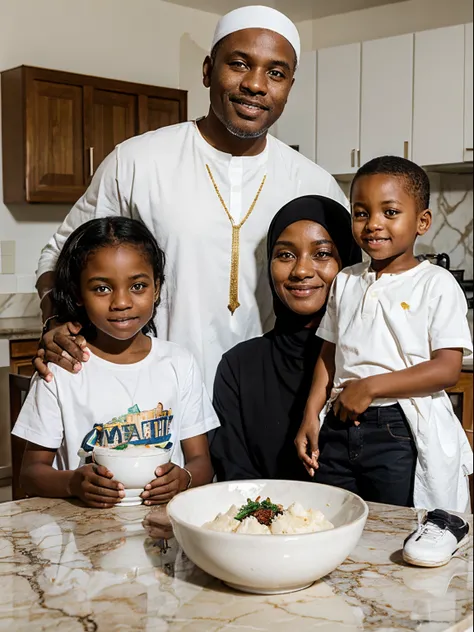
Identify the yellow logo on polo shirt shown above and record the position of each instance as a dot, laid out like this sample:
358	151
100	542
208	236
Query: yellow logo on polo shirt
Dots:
405	305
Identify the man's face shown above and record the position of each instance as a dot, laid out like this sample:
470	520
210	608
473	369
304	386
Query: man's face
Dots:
250	79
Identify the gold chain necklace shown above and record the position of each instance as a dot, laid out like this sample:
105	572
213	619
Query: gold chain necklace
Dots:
234	263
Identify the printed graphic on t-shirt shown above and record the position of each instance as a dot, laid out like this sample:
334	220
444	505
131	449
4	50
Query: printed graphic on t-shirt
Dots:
135	427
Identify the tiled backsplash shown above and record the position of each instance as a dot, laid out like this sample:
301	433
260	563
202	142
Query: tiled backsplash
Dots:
17	283
452	228
451	232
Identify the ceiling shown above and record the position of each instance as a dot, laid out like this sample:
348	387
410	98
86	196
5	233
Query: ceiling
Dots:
297	10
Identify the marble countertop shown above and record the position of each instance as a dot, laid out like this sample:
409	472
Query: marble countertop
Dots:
67	568
20	328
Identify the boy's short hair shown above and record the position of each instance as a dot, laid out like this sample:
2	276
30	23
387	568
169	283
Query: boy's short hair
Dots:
416	180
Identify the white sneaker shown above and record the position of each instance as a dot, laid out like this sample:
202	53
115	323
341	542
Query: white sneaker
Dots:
436	540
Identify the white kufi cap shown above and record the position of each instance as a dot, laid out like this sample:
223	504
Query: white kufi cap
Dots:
258	17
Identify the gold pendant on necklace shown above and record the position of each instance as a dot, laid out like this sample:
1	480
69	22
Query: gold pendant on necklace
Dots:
235	252
234	271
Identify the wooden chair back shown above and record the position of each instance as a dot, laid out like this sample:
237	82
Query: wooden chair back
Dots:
19	386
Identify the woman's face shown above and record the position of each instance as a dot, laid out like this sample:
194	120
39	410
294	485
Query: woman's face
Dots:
304	264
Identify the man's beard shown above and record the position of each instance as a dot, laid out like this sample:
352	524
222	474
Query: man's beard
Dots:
243	134
240	133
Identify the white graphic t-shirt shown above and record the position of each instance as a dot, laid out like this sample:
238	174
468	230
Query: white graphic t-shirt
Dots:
59	414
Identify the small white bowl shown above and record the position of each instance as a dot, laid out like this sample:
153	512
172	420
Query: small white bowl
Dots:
133	468
267	564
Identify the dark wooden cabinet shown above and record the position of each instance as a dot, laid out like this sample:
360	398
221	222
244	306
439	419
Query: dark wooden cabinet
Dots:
54	165
461	397
156	113
113	120
22	353
57	127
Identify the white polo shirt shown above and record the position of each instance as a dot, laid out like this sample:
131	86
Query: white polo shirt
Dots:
393	323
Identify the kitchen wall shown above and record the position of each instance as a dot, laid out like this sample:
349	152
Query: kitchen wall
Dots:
147	41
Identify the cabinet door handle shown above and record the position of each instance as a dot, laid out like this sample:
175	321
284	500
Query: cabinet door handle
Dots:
353	153
91	161
406	149
358	157
469	149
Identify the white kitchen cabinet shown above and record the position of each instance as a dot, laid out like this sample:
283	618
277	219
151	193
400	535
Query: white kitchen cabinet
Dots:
297	125
387	97
438	116
468	109
338	108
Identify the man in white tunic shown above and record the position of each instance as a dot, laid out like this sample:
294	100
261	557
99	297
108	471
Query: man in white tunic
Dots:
207	190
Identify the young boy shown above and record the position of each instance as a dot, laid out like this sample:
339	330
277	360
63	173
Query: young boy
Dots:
395	331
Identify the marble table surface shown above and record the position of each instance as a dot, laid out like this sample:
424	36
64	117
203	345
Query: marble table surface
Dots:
67	568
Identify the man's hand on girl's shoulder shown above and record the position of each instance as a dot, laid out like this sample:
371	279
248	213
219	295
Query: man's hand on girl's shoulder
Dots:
93	485
61	344
171	479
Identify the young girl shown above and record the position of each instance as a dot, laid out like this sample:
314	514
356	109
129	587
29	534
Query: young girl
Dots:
108	279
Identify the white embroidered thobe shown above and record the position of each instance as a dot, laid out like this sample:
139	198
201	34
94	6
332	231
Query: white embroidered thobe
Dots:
161	179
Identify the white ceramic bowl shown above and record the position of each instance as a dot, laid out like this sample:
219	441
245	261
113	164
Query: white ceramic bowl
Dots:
267	564
134	469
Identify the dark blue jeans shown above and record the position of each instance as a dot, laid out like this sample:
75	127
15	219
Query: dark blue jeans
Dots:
375	460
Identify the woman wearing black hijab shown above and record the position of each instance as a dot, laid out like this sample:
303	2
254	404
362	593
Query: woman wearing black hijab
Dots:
262	385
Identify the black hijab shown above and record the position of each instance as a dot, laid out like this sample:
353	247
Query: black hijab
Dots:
262	385
295	346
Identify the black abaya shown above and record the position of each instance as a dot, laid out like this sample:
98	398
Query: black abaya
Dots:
262	385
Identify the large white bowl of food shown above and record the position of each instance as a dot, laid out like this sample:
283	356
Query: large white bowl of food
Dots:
267	536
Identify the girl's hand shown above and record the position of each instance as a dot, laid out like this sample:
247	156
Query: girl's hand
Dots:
354	400
306	443
170	480
93	484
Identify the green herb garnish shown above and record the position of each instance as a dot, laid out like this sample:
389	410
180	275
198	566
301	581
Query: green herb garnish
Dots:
254	505
122	446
